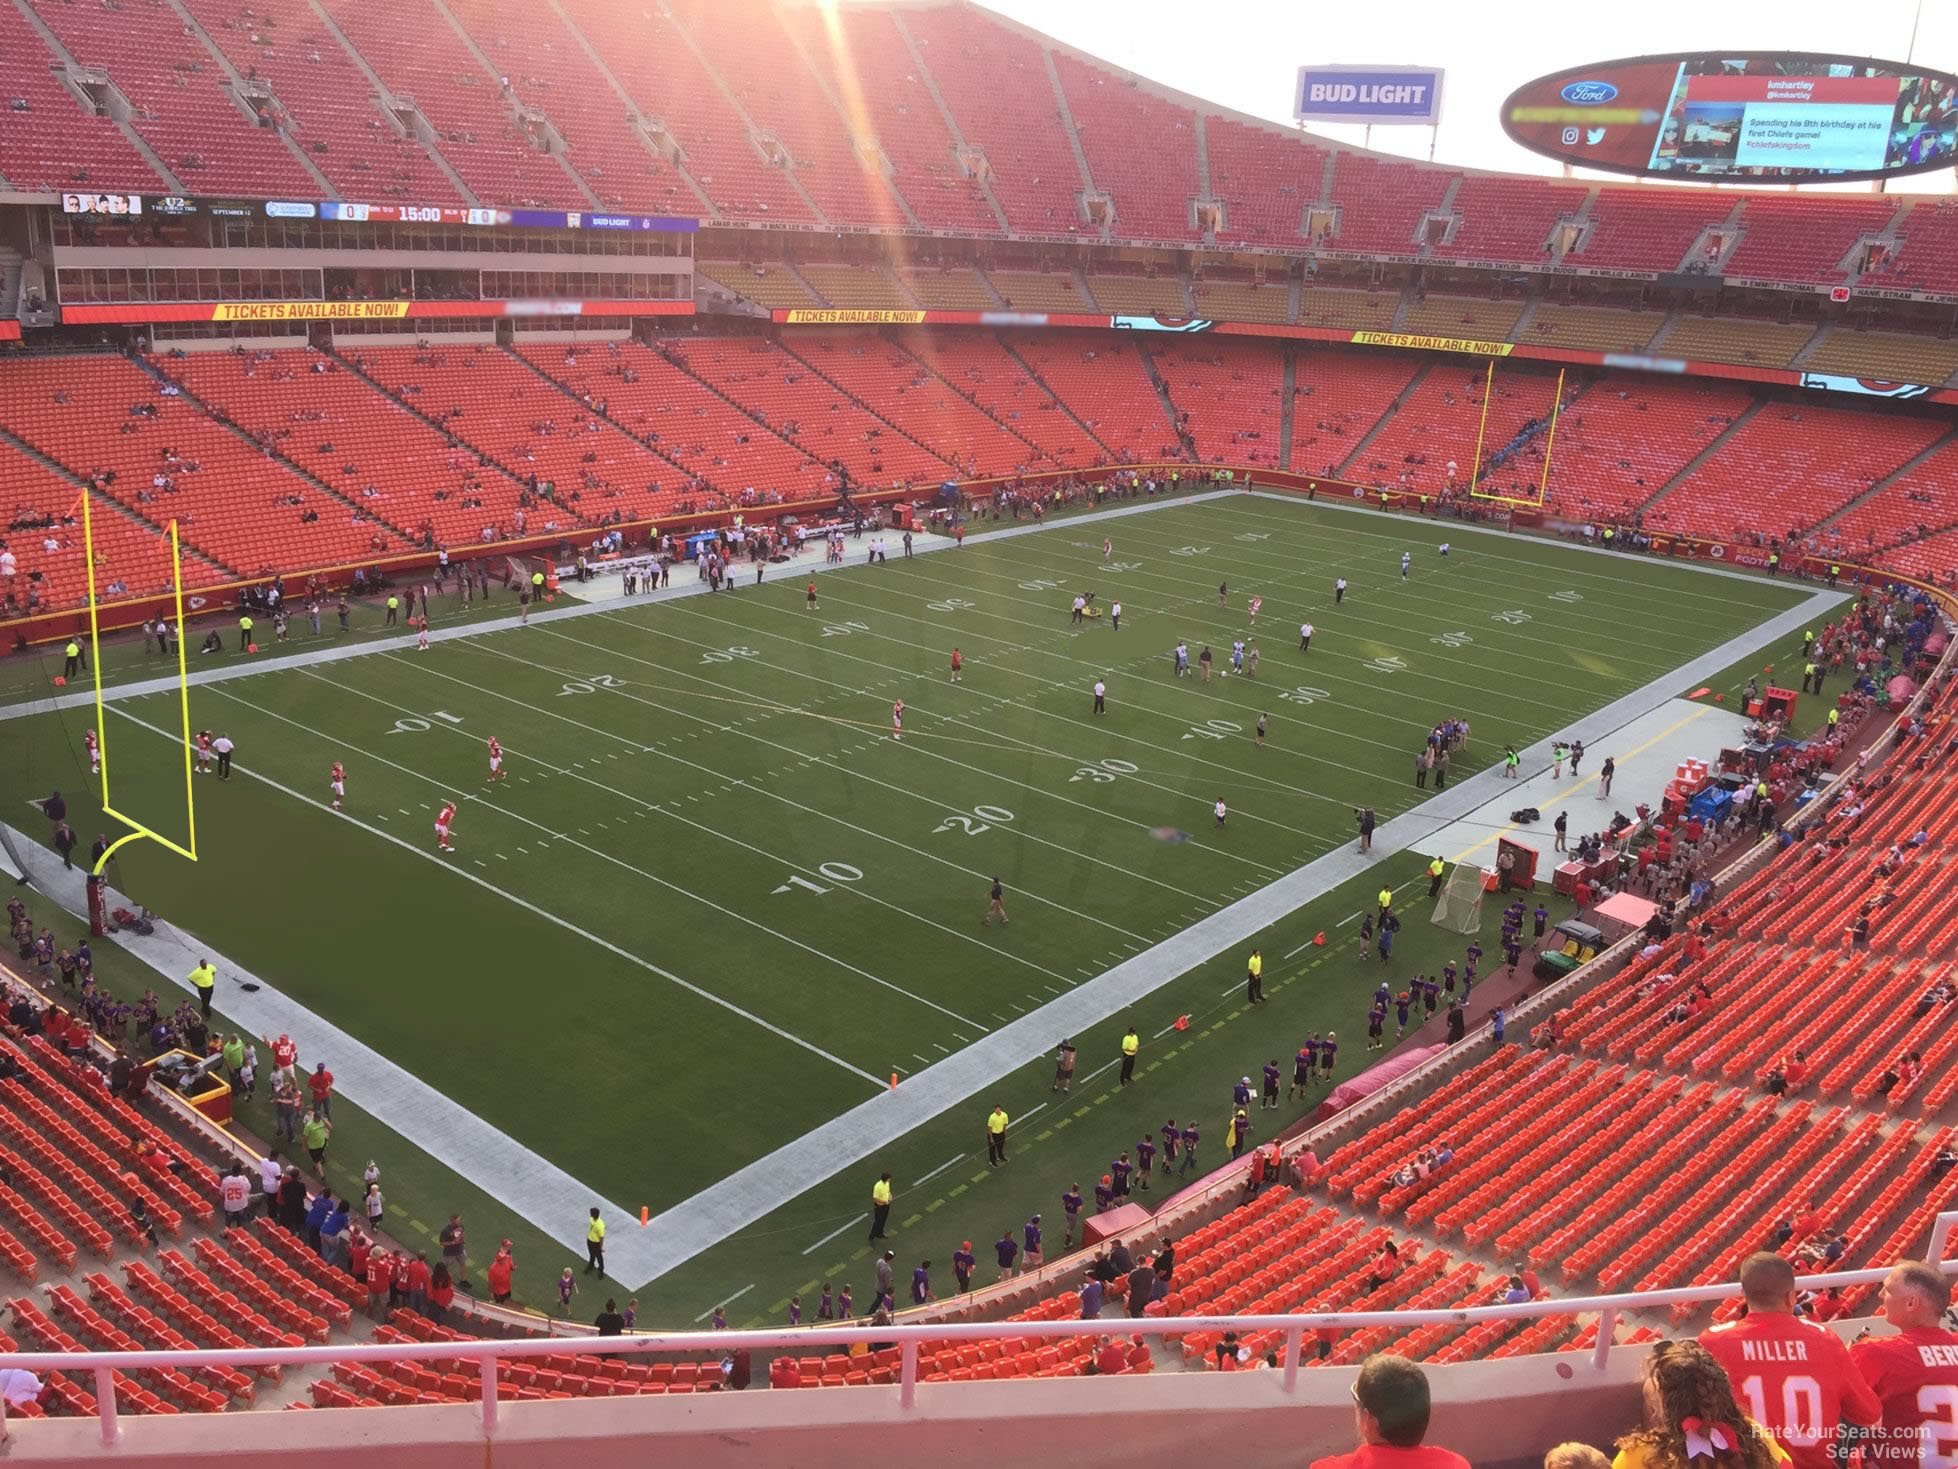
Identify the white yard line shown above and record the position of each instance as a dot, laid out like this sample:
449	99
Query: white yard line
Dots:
601	855
948	1163
816	1246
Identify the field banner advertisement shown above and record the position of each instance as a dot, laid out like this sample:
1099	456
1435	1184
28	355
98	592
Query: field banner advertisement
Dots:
1369	94
138	312
1474	346
1788	116
832	317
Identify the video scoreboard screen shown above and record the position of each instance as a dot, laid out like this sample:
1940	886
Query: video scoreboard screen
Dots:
1784	116
170	206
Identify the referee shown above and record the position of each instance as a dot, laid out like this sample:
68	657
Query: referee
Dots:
1101	702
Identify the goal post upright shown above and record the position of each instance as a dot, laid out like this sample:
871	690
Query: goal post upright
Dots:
139	829
1482	425
1550	441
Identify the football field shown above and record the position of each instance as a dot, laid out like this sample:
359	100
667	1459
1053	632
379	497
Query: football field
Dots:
715	903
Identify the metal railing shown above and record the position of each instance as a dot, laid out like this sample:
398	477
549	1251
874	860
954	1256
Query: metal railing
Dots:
908	1339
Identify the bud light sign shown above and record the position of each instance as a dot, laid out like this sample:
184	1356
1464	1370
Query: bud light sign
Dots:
1369	94
1589	94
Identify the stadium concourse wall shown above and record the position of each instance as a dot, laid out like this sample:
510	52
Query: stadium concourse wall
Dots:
1784	377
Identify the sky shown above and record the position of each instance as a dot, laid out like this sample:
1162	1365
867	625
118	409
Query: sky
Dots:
1245	54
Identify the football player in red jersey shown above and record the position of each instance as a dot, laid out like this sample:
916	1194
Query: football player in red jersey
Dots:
897	720
338	780
1914	1373
443	818
1793	1377
496	759
94	748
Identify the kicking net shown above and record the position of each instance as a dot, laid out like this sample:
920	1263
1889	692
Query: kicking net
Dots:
1459	908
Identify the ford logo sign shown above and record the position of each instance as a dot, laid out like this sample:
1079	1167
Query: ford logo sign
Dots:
1589	94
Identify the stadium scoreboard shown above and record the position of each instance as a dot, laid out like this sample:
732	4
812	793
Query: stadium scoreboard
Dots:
173	206
1786	116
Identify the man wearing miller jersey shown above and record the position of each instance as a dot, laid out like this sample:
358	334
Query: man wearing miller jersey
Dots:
1795	1378
1914	1373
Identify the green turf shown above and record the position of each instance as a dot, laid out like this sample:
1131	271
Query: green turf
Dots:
673	767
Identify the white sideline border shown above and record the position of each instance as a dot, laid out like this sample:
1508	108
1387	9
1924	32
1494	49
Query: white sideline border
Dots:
553	1201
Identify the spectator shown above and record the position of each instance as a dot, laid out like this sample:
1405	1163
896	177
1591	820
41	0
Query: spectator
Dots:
315	1133
441	1293
1575	1456
292	1201
411	1277
316	1216
321	1085
1142	1289
1691	1417
1390	1416
1111	1358
1386	1266
380	1275
235	1191
1818	1378
454	1252
333	1236
609	1322
1091	1298
501	1269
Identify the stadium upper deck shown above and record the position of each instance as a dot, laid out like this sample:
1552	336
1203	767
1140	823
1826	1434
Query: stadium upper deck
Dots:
940	118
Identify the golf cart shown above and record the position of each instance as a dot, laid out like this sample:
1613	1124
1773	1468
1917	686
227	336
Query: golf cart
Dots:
1573	943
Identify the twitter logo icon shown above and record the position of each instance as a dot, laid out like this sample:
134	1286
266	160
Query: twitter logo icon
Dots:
1594	136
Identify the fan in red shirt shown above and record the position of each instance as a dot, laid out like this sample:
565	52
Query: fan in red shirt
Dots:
1390	1414
1914	1373
1792	1376
320	1083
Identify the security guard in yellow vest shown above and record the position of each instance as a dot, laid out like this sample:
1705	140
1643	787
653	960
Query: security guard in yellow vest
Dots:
1254	978
204	980
1435	870
996	1136
244	631
72	661
880	1204
595	1245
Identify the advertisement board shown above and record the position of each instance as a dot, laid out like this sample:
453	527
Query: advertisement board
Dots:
1785	116
126	206
1368	94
